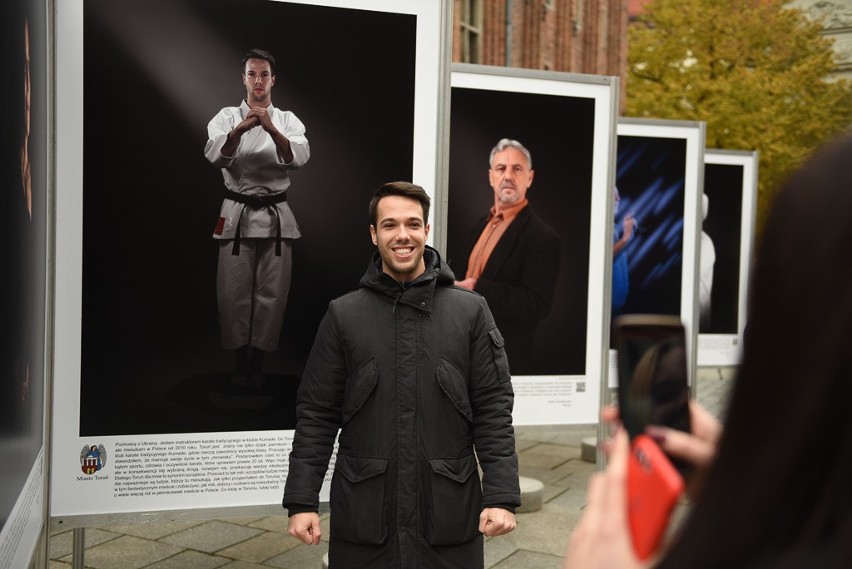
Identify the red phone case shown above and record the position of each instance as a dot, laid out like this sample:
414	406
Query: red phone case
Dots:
653	488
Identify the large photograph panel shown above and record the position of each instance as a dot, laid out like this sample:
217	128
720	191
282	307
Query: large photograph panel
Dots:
730	192
659	177
150	413
24	222
545	276
151	355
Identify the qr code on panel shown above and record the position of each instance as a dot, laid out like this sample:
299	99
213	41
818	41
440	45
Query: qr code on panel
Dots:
581	386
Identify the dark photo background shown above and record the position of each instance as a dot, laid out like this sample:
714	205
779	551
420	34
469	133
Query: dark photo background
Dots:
723	185
156	71
23	233
559	133
650	176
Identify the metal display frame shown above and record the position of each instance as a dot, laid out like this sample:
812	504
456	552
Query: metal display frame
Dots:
722	350
77	502
694	134
562	398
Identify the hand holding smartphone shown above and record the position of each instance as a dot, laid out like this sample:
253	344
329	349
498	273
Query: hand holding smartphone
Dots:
652	390
653	489
652	378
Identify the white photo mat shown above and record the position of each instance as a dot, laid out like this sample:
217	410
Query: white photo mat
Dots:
165	473
725	349
693	134
575	398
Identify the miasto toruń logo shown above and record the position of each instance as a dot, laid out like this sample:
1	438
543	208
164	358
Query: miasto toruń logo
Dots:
93	458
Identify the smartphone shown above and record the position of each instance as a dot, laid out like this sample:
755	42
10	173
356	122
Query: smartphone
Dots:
653	489
652	380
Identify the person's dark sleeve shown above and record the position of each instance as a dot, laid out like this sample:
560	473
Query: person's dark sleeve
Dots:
492	399
293	509
318	418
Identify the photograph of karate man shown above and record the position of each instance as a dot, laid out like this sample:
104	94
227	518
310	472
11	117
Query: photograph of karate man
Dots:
156	73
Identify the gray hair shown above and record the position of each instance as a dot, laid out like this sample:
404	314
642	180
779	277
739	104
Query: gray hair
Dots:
509	143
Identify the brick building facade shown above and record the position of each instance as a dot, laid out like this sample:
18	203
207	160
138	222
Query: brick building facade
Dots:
579	36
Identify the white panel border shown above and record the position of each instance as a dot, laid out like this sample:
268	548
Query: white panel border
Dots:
693	132
564	404
726	349
76	504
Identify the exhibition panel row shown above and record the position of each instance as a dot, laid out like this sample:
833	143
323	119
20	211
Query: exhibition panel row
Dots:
144	414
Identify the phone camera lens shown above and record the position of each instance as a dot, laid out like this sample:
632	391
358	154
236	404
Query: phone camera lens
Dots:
643	459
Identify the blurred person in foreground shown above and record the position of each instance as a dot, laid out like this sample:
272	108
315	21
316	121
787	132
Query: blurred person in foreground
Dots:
777	495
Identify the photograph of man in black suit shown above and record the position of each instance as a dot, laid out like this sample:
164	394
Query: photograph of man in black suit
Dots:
514	255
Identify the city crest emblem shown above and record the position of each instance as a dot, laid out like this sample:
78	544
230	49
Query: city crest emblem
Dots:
93	458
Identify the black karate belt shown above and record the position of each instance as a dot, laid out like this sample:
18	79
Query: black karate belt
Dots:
257	202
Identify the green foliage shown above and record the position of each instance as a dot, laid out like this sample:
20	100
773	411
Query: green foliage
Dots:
753	70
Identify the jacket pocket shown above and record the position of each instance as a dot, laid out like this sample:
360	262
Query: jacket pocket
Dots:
499	354
455	501
359	386
454	385
358	512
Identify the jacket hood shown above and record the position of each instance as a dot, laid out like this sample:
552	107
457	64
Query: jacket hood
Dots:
417	293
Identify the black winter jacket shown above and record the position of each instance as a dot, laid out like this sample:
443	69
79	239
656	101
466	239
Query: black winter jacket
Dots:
519	281
416	378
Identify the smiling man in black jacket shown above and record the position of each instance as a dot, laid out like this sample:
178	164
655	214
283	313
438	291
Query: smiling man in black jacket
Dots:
412	371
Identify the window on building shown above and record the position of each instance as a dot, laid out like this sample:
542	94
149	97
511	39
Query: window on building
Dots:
578	17
471	31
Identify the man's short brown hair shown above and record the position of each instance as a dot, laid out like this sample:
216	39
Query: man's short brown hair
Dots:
404	189
260	54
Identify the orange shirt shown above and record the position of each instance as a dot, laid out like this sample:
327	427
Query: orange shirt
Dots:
498	221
